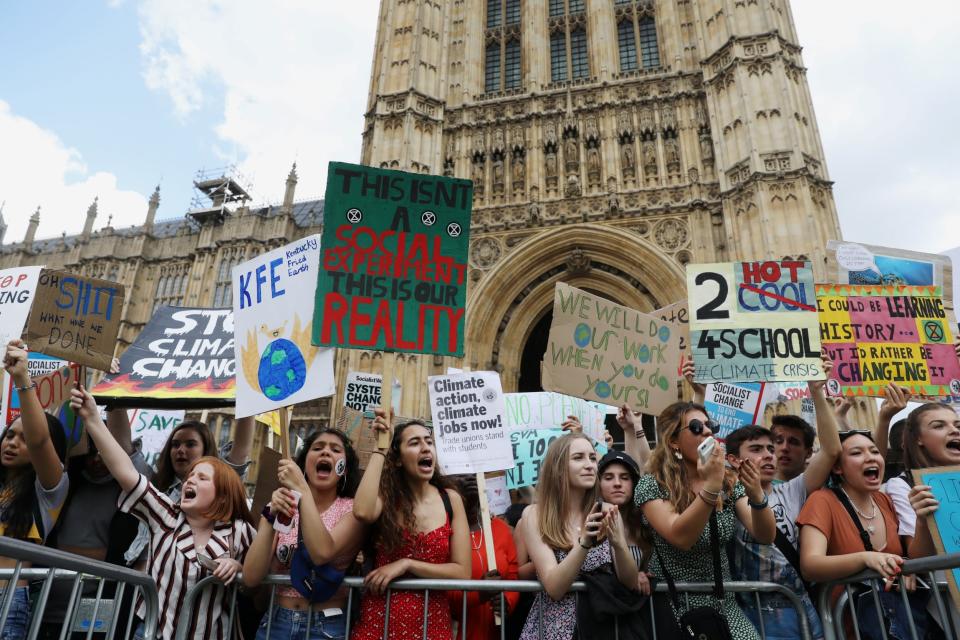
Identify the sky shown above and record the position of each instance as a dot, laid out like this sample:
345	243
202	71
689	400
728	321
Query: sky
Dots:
110	99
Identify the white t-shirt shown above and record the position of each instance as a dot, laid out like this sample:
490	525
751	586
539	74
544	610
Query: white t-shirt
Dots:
898	490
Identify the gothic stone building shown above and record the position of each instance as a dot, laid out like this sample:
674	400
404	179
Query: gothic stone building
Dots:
610	142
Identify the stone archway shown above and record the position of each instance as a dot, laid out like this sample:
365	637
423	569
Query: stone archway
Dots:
507	304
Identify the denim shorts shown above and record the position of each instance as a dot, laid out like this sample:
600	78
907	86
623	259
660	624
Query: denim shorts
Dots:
287	624
18	616
780	619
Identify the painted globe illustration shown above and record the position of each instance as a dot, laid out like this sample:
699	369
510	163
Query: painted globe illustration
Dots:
581	335
282	371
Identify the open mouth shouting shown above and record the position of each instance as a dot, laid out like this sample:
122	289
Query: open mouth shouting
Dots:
189	494
425	464
953	447
324	468
872	474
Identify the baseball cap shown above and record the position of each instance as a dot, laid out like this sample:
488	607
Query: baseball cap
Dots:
613	456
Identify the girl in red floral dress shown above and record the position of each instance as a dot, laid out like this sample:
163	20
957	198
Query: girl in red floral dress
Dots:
421	532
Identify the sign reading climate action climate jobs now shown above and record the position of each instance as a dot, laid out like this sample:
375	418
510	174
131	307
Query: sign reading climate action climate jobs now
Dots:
182	358
393	269
876	335
754	321
468	420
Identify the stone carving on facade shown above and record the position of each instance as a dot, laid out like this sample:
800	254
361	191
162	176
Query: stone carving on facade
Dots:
650	159
497	144
550	170
592	131
613	199
593	166
478	144
573	186
668	118
671	234
534	211
497	166
571	156
646	120
671	150
624	123
485	252
477	176
518	176
550	134
578	262
706	149
517	139
628	160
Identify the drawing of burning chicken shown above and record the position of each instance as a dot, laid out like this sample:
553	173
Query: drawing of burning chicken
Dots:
279	367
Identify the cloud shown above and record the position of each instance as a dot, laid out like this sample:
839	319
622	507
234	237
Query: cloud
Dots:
43	170
290	76
885	94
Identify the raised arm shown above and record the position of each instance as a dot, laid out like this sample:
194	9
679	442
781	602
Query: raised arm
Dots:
817	472
367	505
625	565
556	577
118	424
256	565
114	457
634	438
689	371
36	434
894	401
242	441
759	522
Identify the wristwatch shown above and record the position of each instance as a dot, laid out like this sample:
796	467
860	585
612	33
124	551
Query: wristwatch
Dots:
268	514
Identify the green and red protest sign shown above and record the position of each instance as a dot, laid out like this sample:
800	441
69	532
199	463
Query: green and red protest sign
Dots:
393	264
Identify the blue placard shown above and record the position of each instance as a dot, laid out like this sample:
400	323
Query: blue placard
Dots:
732	405
529	447
945	483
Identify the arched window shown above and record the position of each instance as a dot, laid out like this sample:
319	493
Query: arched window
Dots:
511	66
648	43
579	61
635	24
502	68
627	44
569	54
558	57
492	67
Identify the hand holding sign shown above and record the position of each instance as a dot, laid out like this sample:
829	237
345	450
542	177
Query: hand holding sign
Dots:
15	363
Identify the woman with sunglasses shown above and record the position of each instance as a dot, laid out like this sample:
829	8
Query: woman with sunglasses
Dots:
677	497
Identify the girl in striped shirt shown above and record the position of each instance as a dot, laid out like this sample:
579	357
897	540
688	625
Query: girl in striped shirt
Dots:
207	533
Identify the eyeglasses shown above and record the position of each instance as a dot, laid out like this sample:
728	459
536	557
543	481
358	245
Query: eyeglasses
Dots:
855	432
697	426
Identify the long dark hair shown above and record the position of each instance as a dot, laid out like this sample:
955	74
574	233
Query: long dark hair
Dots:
164	476
20	509
397	516
347	487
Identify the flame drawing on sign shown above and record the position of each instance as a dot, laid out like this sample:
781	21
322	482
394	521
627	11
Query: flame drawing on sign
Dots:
278	369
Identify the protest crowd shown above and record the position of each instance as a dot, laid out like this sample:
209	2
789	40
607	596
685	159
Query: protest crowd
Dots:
795	504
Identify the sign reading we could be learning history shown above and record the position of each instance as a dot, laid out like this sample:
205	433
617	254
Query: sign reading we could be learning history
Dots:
877	335
602	351
754	321
393	268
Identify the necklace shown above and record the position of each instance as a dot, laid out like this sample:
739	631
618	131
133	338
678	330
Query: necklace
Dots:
871	529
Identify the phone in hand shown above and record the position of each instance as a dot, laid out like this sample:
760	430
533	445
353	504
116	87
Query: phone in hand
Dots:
597	508
706	449
206	561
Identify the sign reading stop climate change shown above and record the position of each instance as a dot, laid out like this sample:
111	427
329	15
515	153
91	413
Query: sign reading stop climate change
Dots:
876	335
754	321
393	268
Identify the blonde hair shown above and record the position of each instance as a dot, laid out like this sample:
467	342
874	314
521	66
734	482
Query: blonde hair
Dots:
669	472
554	497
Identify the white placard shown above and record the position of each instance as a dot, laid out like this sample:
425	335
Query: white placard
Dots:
362	392
468	422
548	410
498	496
854	257
277	366
153	427
17	287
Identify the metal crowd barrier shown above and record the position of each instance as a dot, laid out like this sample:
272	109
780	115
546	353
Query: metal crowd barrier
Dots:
833	614
76	569
355	585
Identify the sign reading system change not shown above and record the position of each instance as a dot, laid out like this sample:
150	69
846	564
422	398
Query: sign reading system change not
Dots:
754	321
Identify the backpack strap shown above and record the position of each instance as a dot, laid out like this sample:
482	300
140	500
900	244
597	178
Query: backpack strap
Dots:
864	536
792	555
446	505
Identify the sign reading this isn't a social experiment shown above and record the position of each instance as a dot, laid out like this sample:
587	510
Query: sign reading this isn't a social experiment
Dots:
754	321
393	267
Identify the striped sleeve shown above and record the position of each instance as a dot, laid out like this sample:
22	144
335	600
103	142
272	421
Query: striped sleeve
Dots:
149	505
243	538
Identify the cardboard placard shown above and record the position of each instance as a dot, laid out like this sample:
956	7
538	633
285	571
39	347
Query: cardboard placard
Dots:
602	351
754	321
678	314
548	410
152	427
468	420
17	288
267	481
362	392
75	318
879	335
183	358
733	405
273	321
943	523
393	270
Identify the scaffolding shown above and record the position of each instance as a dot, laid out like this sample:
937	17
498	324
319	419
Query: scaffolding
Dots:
214	190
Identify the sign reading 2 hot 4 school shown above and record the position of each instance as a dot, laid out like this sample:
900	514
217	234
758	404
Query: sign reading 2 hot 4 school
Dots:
393	267
754	321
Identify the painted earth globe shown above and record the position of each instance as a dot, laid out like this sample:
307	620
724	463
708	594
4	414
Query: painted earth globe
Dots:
282	371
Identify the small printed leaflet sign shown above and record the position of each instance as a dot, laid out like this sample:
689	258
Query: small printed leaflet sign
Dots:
362	392
498	496
878	335
733	405
75	318
944	523
152	427
548	410
393	269
182	358
273	320
602	351
754	321
17	287
469	430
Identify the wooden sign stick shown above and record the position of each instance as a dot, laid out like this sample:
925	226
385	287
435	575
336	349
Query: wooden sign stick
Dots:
285	415
204	415
386	397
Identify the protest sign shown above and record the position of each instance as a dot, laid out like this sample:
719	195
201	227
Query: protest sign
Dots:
529	447
548	410
393	270
272	318
879	335
602	351
468	420
152	427
944	523
678	314
498	496
864	264
753	321
183	358
733	405
267	482
358	425
76	318
17	287
362	391
54	379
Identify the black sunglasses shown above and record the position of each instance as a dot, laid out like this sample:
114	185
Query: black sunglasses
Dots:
855	432
697	426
